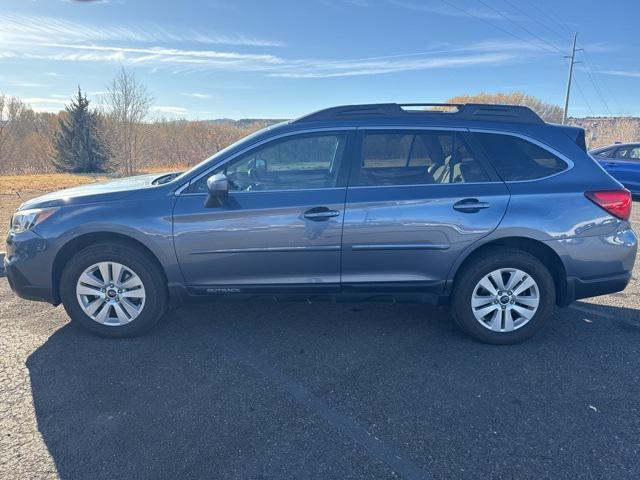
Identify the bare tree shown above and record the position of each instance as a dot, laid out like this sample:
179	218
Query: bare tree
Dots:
548	111
10	110
128	103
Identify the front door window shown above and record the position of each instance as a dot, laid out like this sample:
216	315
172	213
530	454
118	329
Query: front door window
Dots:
302	162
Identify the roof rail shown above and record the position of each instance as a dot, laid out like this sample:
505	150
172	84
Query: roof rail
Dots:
463	111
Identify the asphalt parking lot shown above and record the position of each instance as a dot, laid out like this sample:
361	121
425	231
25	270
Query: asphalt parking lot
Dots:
323	391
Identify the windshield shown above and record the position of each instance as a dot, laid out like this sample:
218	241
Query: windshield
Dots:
221	153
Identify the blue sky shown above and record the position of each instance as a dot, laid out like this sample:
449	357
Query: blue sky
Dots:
279	59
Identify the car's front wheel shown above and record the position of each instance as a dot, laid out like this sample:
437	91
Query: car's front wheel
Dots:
113	289
503	296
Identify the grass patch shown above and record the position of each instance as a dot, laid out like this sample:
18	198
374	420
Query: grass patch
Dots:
49	182
46	182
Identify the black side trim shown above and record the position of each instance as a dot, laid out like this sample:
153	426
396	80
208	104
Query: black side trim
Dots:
319	248
435	286
399	246
415	292
264	289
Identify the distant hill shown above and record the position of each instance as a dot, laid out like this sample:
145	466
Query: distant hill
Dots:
245	122
607	130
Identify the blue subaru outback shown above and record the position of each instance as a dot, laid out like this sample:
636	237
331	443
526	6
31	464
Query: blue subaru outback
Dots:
486	208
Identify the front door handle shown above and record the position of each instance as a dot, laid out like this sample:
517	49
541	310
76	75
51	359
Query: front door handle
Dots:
319	214
470	205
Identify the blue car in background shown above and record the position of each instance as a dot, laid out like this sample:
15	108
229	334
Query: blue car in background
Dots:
621	161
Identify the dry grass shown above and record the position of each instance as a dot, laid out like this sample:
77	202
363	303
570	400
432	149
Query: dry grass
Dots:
49	182
16	189
166	169
45	182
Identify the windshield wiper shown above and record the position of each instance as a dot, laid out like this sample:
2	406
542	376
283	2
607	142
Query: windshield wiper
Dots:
165	178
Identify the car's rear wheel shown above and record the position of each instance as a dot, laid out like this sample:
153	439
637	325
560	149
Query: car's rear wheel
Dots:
503	296
113	289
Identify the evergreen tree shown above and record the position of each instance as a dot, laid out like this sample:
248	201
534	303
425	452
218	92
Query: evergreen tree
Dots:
78	147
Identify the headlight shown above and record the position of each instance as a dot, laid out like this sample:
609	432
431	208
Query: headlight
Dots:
24	220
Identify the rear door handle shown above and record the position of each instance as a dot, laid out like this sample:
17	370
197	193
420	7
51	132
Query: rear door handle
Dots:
470	205
319	214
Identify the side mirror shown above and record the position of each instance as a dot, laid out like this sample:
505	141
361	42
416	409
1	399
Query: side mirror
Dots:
218	185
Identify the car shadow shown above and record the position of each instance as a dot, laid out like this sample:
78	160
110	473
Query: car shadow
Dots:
252	391
628	316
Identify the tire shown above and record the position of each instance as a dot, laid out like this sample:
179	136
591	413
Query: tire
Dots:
516	319
143	284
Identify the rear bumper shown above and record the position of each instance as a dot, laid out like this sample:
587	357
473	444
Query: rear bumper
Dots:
578	288
596	265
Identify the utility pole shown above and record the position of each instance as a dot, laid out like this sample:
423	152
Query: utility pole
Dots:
572	58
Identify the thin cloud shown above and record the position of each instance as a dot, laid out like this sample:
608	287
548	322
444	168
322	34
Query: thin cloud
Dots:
402	65
430	7
171	110
195	95
159	54
16	28
192	61
621	73
87	43
37	100
46	104
443	9
361	3
95	2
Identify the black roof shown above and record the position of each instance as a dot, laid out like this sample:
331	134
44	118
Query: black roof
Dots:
464	111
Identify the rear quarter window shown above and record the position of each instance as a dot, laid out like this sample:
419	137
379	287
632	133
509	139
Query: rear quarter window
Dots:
517	159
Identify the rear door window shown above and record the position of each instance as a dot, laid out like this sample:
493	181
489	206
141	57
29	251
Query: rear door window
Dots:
517	159
416	158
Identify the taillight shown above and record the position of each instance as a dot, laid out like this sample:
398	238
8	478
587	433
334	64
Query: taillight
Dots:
616	202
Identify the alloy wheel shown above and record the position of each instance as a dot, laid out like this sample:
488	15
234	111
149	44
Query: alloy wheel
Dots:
505	300
110	293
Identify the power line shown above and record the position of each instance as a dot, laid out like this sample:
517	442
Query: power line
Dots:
534	19
590	71
504	30
584	97
599	81
533	34
554	18
596	87
553	48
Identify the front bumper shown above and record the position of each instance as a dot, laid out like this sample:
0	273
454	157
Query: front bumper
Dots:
28	265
